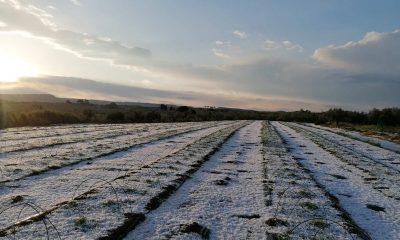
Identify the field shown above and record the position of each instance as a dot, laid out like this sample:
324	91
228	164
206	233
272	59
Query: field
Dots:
197	180
391	134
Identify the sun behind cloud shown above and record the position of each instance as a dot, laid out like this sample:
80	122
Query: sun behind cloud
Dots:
12	68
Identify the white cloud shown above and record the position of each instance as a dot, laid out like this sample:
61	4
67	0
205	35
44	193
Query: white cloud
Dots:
223	43
239	34
37	23
375	53
76	2
85	88
270	45
292	46
146	82
219	53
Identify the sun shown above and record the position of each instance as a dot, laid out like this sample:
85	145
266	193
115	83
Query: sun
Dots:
12	68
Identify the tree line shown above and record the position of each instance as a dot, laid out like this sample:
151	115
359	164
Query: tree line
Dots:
380	117
14	114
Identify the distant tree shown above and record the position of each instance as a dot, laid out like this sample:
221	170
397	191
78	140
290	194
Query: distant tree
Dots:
112	105
336	115
139	116
49	117
163	107
82	101
23	120
89	114
388	116
374	116
153	116
116	117
183	109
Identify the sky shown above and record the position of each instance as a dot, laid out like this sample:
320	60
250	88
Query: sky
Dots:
264	55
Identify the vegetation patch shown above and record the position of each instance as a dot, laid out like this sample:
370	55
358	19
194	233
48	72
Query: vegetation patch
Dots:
376	208
306	194
319	223
338	176
80	221
72	204
247	216
276	222
195	227
17	199
156	201
131	221
309	205
222	182
110	203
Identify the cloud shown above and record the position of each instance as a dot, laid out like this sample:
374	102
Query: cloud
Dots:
37	23
219	53
374	53
360	74
223	43
304	82
71	87
292	46
239	34
270	45
76	2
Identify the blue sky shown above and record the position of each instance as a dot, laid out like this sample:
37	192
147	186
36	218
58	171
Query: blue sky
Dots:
251	54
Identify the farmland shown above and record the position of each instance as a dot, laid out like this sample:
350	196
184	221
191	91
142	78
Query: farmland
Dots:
197	180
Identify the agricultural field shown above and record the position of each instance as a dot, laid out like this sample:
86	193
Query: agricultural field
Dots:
197	180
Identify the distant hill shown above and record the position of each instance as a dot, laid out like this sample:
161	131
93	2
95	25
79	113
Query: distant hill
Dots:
30	98
48	98
102	102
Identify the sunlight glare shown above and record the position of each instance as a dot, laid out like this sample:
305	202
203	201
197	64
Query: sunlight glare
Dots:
12	68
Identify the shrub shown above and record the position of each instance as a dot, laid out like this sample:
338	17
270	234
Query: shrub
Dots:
116	117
